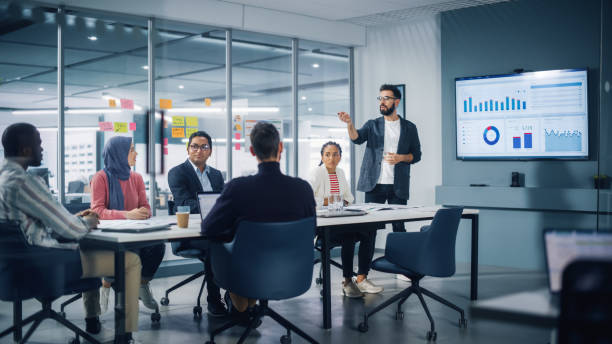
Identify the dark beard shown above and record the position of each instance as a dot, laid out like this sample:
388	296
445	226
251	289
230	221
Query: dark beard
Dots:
389	111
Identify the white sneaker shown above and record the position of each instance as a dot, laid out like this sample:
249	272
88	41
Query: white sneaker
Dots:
350	290
145	295
402	278
366	286
104	296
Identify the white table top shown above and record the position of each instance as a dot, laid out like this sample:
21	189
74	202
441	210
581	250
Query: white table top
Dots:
193	231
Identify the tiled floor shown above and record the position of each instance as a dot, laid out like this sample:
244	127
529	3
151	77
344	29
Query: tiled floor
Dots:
178	326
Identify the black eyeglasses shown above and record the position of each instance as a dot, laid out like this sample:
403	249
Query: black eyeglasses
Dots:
198	147
385	98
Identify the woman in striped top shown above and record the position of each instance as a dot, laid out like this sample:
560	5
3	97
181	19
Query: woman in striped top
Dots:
328	179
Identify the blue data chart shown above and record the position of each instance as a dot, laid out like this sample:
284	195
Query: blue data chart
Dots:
491	135
562	141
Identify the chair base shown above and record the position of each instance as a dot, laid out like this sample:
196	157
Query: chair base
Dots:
259	312
197	309
415	288
37	318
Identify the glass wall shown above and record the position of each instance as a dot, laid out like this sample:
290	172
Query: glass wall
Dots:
28	77
190	92
323	91
261	91
105	94
605	123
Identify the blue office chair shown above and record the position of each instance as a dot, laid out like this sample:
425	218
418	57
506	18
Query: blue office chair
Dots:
430	252
266	261
42	273
186	250
586	302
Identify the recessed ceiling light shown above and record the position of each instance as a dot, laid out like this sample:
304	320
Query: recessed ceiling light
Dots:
315	65
105	86
303	97
145	67
181	87
41	89
92	38
309	109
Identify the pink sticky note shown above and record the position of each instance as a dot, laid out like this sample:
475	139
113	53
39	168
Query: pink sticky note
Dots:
105	126
237	136
165	141
127	104
237	146
133	126
165	150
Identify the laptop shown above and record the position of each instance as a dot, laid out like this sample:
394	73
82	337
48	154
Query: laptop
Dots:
343	212
206	200
564	246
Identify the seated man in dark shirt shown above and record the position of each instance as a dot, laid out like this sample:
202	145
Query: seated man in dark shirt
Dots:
268	196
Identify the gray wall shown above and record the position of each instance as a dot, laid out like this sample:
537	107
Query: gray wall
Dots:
496	39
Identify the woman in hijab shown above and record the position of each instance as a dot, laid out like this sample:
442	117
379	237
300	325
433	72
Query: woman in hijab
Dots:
117	192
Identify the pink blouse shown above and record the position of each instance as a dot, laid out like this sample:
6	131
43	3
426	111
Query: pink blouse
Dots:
134	196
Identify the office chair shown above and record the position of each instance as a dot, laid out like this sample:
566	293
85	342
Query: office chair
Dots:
586	302
266	261
430	252
76	186
42	273
185	250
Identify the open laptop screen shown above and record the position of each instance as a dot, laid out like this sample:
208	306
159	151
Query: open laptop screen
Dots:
563	247
206	200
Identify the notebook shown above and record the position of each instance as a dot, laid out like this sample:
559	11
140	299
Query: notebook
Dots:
135	226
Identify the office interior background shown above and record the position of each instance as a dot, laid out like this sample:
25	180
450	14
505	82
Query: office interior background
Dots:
157	70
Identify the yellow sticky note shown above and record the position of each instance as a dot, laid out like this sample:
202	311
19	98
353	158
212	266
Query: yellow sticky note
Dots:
178	132
120	127
165	103
112	103
207	101
238	126
192	121
190	131
178	121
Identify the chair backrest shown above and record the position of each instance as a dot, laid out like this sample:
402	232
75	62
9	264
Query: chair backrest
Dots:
76	186
433	253
269	261
586	302
11	238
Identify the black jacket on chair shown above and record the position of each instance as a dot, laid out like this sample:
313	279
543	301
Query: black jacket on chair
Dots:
268	196
185	185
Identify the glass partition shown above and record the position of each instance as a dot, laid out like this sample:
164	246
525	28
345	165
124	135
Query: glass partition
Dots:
604	176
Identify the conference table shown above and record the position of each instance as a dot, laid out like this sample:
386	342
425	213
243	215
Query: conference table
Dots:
122	242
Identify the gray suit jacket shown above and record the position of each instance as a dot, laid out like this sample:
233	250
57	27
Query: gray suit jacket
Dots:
373	131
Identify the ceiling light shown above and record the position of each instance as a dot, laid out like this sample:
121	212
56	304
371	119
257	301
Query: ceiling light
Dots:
92	38
309	109
338	130
145	67
181	87
303	97
69	112
41	89
315	65
222	110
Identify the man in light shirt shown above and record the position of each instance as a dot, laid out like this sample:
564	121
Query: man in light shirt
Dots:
392	146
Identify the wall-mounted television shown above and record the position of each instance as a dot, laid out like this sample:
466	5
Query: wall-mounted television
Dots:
531	115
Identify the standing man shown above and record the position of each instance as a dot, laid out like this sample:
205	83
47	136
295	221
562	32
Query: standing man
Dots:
185	181
392	146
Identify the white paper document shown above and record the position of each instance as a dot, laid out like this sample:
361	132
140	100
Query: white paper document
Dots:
135	225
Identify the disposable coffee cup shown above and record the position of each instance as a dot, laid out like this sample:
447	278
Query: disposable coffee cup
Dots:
182	216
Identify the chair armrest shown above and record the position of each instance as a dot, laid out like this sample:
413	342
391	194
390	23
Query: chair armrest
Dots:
406	249
221	261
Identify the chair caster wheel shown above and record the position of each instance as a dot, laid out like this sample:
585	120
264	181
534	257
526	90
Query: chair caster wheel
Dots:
164	301
432	335
285	339
155	317
319	281
75	341
462	323
363	327
399	316
210	342
321	292
197	312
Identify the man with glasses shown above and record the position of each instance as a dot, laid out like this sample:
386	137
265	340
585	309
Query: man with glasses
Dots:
185	181
392	146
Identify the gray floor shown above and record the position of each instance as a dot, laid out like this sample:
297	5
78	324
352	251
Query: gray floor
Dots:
178	325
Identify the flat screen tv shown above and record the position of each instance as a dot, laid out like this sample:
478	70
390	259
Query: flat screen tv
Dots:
531	115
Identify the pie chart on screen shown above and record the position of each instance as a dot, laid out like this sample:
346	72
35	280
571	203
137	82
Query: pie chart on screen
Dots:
491	135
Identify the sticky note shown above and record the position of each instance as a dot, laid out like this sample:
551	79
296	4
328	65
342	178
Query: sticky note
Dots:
207	101
165	103
178	121
112	103
178	132
133	126
237	136
238	126
105	126
237	146
165	141
192	121
190	131
165	150
120	127
127	104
